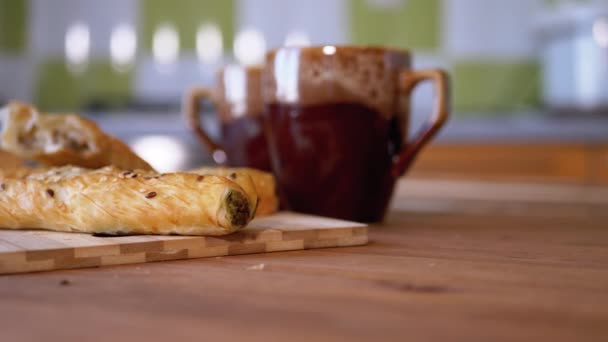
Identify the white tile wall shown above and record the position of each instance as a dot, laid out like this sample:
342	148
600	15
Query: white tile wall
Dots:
169	84
49	21
423	94
15	78
496	29
324	21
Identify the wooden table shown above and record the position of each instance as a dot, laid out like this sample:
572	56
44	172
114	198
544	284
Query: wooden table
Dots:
464	261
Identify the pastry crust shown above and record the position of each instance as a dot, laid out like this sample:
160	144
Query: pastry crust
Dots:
62	139
264	183
245	181
9	161
18	172
113	201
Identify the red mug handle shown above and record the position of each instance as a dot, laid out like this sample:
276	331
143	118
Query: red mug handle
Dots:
408	80
191	112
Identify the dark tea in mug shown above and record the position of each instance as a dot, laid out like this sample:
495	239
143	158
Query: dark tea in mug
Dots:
238	101
337	120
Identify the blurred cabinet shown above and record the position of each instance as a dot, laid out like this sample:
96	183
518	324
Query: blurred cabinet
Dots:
598	161
558	162
575	163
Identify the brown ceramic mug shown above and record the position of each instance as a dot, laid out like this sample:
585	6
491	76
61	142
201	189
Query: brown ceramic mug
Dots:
337	123
238	101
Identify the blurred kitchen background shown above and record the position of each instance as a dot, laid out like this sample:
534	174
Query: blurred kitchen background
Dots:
530	77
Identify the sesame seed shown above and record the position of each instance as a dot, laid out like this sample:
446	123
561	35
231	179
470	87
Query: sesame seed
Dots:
233	175
2	186
151	194
50	192
200	178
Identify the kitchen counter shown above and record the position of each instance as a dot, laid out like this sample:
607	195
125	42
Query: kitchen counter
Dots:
453	261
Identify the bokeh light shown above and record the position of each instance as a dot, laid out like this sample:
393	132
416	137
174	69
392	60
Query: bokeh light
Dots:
77	46
165	45
123	46
249	47
600	32
163	152
209	45
329	50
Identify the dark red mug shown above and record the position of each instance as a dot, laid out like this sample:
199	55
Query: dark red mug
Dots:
237	99
336	122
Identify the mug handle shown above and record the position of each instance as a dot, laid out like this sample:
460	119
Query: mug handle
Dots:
191	113
408	80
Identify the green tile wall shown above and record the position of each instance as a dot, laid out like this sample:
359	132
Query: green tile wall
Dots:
479	84
187	16
13	21
58	89
486	86
415	24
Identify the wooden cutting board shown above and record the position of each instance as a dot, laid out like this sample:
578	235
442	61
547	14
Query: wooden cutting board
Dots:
36	250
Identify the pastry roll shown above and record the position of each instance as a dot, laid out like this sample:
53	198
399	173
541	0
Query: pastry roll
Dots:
18	172
9	161
62	139
264	183
113	201
245	181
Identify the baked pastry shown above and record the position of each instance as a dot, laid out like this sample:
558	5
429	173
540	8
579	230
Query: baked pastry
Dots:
242	177
17	172
9	161
62	139
114	201
264	182
10	165
245	181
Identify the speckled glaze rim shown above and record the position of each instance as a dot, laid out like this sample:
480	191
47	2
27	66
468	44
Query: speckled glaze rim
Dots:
340	49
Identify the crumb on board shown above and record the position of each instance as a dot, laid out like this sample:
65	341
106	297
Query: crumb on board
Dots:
258	267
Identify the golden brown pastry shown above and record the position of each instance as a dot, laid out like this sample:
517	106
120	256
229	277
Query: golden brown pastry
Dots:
17	172
9	161
264	182
62	139
245	181
238	176
11	165
113	201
